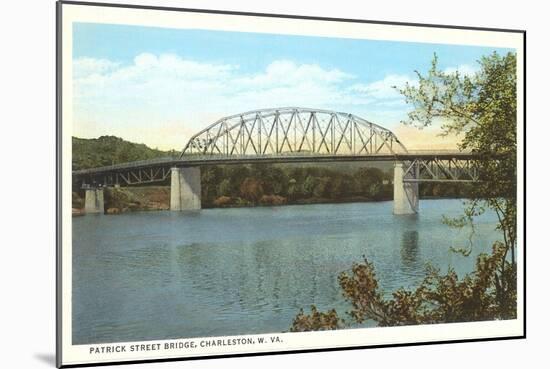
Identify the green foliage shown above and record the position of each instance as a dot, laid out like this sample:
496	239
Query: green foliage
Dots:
246	185
224	188
211	176
316	321
251	189
484	294
108	150
77	201
482	110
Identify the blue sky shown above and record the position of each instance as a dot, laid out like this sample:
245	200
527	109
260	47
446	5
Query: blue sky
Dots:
159	86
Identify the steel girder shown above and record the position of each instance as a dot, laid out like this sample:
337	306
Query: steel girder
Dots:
294	131
441	170
128	177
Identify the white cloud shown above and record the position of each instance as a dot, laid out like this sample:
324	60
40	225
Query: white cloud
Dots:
385	88
287	73
89	67
463	69
132	99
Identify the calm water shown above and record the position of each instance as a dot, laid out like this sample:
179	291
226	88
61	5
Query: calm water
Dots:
160	275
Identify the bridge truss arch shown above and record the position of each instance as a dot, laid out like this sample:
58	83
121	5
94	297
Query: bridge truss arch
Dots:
293	131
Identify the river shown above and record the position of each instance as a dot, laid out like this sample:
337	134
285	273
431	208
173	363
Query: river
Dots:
162	275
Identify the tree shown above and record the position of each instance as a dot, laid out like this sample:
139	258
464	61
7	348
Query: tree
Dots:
438	299
251	189
210	175
481	109
321	188
237	174
292	188
224	188
308	186
369	181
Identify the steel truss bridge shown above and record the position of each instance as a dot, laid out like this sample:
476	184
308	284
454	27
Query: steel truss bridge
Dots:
291	135
283	135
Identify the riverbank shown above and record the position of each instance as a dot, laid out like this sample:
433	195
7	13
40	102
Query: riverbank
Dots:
154	198
128	199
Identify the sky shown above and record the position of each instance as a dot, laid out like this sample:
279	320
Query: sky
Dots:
159	86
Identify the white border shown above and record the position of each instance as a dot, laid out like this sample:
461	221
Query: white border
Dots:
291	341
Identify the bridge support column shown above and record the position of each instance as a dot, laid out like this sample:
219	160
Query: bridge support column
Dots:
94	202
185	189
405	194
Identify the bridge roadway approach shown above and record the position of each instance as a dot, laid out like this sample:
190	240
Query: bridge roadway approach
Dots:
283	135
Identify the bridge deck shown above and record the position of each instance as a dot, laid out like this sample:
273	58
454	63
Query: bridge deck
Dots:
197	160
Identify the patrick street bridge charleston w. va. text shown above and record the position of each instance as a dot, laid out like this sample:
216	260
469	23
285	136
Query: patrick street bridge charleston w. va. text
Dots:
283	135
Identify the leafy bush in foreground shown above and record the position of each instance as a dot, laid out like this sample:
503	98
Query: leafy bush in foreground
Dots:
484	294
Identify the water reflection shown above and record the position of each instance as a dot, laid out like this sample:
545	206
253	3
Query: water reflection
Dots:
409	248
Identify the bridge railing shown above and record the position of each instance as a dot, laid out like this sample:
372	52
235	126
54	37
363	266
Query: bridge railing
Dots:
133	164
194	158
438	152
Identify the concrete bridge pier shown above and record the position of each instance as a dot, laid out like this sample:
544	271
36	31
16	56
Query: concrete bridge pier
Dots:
405	194
94	201
185	189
